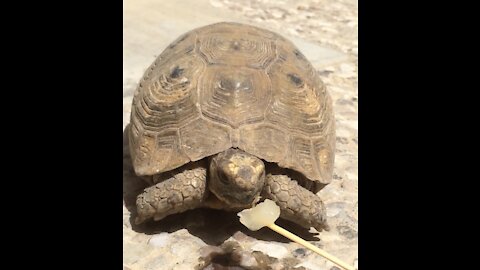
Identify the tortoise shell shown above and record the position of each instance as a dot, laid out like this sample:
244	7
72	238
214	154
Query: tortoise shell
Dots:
232	85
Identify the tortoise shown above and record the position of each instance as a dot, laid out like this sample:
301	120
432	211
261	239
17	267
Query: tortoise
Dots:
228	115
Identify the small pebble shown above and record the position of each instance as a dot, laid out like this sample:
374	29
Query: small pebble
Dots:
299	252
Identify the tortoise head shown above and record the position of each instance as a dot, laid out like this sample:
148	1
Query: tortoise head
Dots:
236	178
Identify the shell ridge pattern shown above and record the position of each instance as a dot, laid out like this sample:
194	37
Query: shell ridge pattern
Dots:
234	85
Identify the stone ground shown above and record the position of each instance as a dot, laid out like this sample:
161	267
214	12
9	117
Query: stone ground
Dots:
326	32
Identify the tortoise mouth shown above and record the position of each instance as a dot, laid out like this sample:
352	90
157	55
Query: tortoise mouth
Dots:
239	200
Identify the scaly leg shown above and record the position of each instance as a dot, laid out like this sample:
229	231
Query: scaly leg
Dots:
182	190
297	204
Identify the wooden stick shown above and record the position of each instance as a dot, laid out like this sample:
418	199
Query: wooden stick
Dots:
306	244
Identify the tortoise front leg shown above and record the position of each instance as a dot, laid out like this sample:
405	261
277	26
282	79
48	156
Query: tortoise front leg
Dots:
177	192
297	204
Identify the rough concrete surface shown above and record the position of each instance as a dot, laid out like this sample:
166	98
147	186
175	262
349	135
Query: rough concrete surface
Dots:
326	32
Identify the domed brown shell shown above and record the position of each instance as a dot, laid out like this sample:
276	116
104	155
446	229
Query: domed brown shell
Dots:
232	85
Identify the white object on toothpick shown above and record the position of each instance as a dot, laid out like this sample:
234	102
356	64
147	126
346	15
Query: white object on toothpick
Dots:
265	214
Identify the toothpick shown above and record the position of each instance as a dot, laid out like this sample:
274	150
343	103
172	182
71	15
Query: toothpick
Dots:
266	213
306	244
